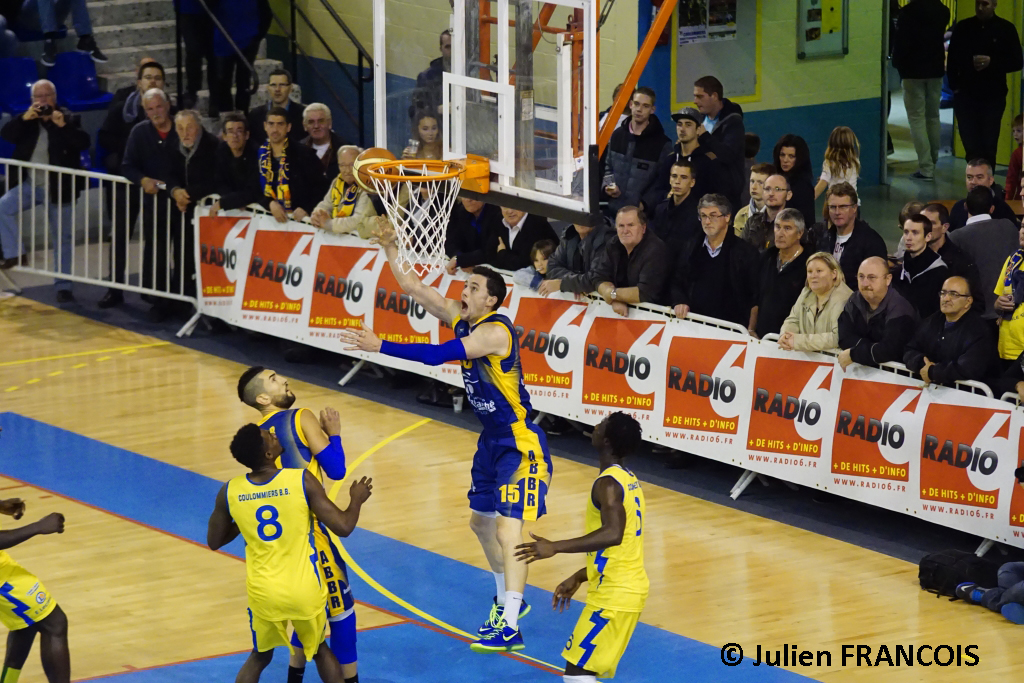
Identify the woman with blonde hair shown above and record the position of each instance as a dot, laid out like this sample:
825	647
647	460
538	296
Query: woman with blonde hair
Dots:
842	160
813	324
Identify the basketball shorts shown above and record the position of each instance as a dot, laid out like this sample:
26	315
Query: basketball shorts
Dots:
599	640
511	472
266	634
24	600
333	571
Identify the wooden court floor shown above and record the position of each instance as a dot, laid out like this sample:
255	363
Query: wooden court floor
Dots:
718	575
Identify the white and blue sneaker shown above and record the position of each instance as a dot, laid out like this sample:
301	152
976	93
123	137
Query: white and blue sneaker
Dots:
501	638
496	615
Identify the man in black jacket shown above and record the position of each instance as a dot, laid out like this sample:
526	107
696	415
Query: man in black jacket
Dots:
877	322
292	181
510	241
847	238
923	271
238	172
707	171
321	138
571	264
726	133
469	229
979	174
781	275
716	272
631	161
952	344
957	260
279	87
676	219
43	134
982	51
634	266
920	56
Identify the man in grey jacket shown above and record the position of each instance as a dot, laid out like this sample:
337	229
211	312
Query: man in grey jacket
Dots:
569	267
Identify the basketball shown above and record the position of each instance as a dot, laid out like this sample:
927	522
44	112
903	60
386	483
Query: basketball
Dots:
366	157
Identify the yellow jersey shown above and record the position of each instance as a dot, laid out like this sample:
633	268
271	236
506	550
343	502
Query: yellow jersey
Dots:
282	574
617	578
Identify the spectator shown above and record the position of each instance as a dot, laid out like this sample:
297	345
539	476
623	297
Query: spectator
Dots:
842	160
509	242
193	176
957	260
427	95
532	275
604	115
951	344
43	134
793	160
196	29
630	163
49	15
706	168
246	22
123	204
468	229
979	174
813	323
572	263
982	51
347	208
715	271
634	266
316	120
725	135
751	148
759	229
1013	172
877	322
238	170
758	176
291	177
920	277
908	210
986	241
279	86
780	276
1007	597
849	239
1010	304
920	57
426	136
675	219
147	164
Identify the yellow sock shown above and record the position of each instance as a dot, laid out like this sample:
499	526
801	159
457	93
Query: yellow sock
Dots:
9	675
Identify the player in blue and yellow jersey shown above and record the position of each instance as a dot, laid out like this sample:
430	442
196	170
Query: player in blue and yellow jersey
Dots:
273	509
614	544
512	466
312	444
26	607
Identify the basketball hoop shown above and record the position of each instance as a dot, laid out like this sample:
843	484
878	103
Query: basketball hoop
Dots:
418	195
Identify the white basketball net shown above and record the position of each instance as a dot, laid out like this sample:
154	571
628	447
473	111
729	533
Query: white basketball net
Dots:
419	210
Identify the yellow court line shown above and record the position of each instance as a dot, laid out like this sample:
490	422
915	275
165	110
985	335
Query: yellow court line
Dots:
25	361
373	582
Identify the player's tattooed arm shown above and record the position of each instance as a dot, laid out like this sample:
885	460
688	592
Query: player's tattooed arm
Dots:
607	494
221	529
487	340
341	522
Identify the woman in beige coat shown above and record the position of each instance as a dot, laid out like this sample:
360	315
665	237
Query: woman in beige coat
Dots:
813	324
346	208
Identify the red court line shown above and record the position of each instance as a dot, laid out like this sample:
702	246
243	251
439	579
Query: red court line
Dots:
429	627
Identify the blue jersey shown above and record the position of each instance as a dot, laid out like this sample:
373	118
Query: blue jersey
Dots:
494	383
284	424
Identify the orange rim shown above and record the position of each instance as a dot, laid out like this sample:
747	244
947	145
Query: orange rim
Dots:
440	170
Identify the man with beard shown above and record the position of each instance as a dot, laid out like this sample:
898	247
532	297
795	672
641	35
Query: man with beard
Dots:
315	445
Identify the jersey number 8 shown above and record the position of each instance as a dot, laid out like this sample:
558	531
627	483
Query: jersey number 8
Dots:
269	529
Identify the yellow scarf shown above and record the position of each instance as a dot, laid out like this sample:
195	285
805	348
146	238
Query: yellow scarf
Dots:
343	198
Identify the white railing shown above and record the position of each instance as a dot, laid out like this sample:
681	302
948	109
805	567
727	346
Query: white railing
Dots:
104	231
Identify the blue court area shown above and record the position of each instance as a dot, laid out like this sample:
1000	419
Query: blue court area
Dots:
178	502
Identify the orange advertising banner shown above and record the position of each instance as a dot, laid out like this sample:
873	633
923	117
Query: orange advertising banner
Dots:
394	311
546	353
1017	499
960	454
697	397
865	429
787	406
332	288
612	363
279	262
217	256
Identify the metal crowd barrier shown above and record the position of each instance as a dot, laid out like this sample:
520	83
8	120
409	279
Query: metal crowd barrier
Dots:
109	225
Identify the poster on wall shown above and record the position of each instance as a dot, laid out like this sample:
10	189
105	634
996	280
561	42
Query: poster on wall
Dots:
701	21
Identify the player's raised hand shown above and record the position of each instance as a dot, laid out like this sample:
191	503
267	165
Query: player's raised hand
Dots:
361	490
360	340
540	549
13	507
330	421
52	523
384	234
562	597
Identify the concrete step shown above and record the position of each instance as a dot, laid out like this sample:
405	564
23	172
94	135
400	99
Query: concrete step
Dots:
124	12
140	34
126	59
112	81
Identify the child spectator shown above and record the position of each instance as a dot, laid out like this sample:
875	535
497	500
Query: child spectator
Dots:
1016	159
532	276
842	160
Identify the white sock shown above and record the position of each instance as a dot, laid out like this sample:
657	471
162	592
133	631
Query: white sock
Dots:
499	586
579	679
513	601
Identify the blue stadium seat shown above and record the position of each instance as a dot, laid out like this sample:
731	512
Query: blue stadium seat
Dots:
16	85
74	74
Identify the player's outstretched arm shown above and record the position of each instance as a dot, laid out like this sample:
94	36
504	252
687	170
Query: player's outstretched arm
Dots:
484	340
609	495
341	522
429	298
221	529
52	523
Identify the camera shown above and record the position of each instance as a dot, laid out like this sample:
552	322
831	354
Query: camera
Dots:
45	110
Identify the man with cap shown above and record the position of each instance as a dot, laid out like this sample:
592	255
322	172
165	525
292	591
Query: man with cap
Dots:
706	166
